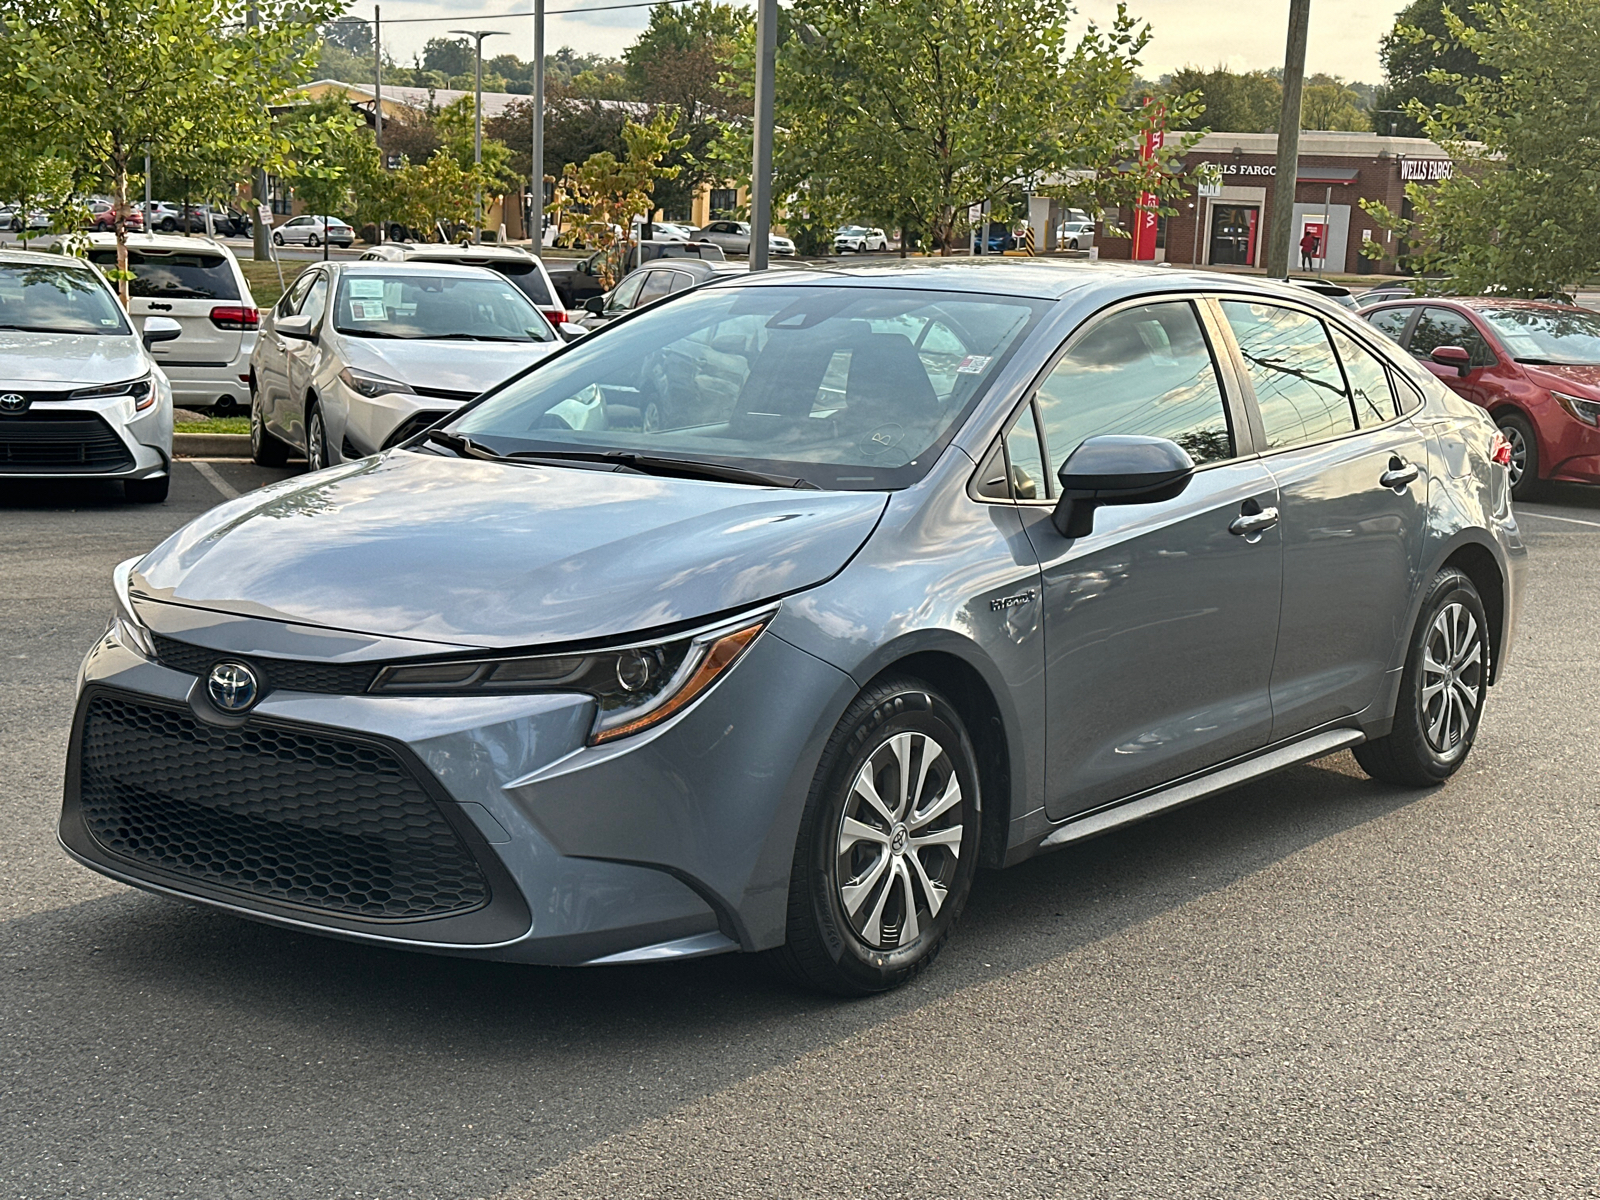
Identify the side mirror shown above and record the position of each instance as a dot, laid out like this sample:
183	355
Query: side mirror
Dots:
595	305
1118	469
160	329
1453	356
294	327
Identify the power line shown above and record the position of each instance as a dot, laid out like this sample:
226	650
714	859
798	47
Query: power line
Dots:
510	16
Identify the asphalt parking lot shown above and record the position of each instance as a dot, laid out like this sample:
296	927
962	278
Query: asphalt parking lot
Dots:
1313	986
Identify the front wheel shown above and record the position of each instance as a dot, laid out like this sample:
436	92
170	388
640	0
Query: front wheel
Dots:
277	239
1442	689
316	440
888	844
1524	467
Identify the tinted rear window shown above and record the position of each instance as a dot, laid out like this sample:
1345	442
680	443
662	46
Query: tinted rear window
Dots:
527	276
178	276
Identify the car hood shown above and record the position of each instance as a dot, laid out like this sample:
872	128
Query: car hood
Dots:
477	553
450	366
78	359
1587	377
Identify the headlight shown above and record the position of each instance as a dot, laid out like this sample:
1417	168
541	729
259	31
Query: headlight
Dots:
125	623
635	687
363	383
140	390
1587	411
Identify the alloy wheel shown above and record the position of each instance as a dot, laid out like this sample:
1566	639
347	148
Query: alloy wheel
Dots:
899	840
1519	452
1452	678
316	442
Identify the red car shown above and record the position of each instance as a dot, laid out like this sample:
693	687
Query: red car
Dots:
1534	366
102	217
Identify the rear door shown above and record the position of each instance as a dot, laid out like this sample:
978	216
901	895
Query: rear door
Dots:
197	288
1353	489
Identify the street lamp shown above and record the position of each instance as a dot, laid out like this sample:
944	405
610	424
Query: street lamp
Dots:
477	35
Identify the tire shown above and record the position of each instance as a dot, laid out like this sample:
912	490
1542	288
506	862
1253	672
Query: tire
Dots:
1518	431
316	439
265	450
849	932
146	491
1433	734
653	419
16	225
313	240
277	239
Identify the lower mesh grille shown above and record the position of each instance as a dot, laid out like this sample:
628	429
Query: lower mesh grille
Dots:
284	815
37	441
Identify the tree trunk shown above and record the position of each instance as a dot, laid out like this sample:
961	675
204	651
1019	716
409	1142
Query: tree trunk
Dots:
119	200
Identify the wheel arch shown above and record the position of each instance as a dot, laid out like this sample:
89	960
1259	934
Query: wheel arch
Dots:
974	699
1474	560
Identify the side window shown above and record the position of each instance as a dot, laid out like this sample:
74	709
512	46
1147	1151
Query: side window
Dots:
1296	379
1145	370
1407	395
1369	382
1391	322
1440	327
1026	460
296	293
656	285
316	299
680	283
623	298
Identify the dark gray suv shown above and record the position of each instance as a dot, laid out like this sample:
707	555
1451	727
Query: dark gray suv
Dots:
915	568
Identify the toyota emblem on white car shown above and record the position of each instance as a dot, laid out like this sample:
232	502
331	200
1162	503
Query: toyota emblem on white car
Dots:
13	402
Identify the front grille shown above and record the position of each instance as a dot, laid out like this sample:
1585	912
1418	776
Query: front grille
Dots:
292	675
288	816
60	441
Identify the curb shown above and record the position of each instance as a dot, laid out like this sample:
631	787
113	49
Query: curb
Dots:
211	445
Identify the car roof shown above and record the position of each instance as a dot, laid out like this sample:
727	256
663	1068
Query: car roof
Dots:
38	258
160	241
438	251
419	269
1474	303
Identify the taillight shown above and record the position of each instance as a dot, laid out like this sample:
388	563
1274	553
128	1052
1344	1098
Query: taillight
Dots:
1500	449
557	316
225	317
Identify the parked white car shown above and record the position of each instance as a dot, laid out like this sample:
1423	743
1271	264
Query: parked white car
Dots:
16	220
359	356
734	238
80	395
197	282
859	239
313	231
525	270
1075	235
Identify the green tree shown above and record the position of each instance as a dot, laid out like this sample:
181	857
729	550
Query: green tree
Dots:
101	80
912	111
1521	211
1250	102
1419	45
1328	102
332	155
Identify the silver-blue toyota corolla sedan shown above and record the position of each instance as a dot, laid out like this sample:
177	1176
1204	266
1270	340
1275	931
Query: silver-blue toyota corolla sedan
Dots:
765	618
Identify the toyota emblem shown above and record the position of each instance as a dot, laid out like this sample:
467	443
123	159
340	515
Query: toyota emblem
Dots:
13	402
233	687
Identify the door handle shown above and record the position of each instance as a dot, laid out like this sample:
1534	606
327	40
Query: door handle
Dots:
1399	474
1252	524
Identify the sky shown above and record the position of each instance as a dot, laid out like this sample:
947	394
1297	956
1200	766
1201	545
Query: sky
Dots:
1243	35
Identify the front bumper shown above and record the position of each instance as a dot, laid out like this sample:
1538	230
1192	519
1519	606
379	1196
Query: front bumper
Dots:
89	439
675	842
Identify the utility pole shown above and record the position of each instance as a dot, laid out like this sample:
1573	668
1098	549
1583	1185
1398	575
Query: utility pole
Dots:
761	174
377	94
1280	237
260	235
536	166
148	228
477	35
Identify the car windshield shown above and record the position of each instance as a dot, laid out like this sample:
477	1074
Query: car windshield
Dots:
51	299
181	276
845	387
852	229
1566	338
418	307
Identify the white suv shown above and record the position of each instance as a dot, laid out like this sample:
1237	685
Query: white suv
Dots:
525	270
80	396
197	282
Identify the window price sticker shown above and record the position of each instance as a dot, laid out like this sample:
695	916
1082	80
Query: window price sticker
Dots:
973	364
367	310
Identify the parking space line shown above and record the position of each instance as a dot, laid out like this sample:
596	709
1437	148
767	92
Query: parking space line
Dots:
1523	512
215	480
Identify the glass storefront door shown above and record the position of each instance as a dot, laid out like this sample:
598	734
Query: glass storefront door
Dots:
1233	234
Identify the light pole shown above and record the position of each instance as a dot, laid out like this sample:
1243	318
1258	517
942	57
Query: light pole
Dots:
536	172
477	35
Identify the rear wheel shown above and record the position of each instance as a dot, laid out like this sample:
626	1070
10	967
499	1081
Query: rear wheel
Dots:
888	844
146	491
265	450
1442	689
1524	468
313	240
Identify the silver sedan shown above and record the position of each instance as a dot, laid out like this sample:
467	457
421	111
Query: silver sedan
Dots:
359	356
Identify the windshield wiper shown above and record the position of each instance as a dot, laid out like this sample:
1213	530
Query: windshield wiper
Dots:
1554	362
685	468
467	337
464	446
46	329
370	333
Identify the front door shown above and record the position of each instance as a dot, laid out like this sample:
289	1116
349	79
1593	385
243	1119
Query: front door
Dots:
1160	625
1353	486
1437	327
1233	234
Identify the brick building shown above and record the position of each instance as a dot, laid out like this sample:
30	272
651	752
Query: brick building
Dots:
1337	171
